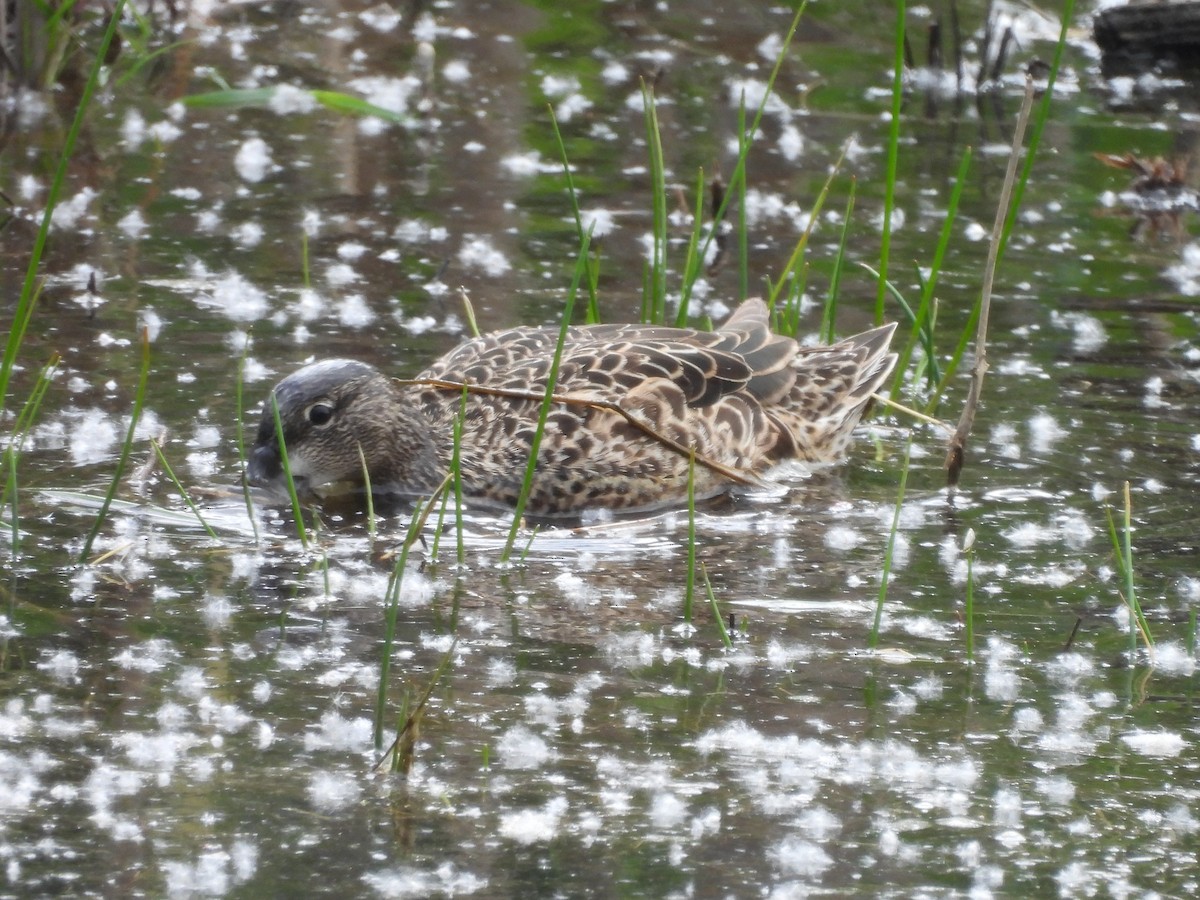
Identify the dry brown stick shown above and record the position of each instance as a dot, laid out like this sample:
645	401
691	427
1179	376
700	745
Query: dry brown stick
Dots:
732	474
956	452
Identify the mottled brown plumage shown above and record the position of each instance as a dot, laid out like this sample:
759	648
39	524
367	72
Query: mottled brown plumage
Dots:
631	402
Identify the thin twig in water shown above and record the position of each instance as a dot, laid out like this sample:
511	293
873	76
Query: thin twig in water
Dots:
955	454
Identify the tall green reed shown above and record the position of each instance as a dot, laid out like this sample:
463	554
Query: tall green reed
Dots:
548	399
593	310
790	268
716	610
240	431
893	155
286	465
30	289
690	579
29	293
829	313
889	554
925	321
737	181
654	304
401	749
416	525
969	604
1122	545
11	454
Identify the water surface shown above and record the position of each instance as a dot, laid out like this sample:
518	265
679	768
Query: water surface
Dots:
184	715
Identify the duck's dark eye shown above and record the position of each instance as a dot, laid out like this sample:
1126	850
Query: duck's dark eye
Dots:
320	414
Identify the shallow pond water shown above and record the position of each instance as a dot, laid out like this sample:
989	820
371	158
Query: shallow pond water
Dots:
190	716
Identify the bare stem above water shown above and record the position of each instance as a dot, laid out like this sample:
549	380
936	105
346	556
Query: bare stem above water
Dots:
956	452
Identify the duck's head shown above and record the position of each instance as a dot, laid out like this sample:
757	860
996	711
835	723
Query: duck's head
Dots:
334	414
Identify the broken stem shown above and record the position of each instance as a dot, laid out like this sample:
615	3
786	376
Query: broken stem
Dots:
955	454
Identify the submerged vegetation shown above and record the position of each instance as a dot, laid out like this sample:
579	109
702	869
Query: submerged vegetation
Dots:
619	722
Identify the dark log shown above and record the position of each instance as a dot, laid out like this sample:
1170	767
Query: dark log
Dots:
1142	37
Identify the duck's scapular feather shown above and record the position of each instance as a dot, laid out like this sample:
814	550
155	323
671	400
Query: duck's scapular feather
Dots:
632	406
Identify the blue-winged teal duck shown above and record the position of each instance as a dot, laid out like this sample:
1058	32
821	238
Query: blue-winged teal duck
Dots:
632	403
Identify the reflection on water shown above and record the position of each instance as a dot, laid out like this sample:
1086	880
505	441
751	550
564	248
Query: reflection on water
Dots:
189	715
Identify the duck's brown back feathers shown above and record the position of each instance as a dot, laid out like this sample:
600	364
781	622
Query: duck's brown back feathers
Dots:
635	399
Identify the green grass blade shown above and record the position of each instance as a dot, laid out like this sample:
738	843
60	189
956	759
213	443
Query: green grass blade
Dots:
27	299
740	187
231	98
690	584
593	313
873	640
740	166
355	106
692	261
285	463
240	428
893	154
829	314
162	459
548	399
658	259
139	401
368	493
716	610
798	251
391	611
335	101
456	473
923	327
969	605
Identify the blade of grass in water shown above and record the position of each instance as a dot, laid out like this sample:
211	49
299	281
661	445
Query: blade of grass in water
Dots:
548	400
690	590
368	493
740	187
241	435
162	459
593	313
28	298
873	640
139	401
285	464
925	335
716	610
798	251
16	443
692	259
740	166
1123	553
409	719
456	472
969	606
391	609
893	153
392	602
657	300
829	315
924	326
